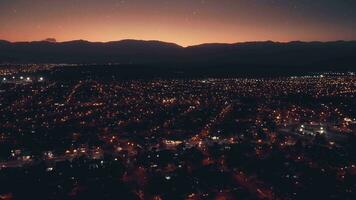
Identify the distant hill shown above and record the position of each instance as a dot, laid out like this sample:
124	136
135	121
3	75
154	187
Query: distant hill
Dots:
248	55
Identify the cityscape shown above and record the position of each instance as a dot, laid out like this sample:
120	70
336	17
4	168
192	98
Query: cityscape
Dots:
102	137
177	100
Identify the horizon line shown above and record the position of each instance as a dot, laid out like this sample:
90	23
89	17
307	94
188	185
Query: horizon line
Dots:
155	40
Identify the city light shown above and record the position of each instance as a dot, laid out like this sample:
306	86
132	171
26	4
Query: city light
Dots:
216	134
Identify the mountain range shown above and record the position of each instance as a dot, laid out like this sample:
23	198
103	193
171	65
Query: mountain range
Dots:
249	55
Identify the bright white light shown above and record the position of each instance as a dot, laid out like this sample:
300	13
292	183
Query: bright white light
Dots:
41	78
21	77
28	78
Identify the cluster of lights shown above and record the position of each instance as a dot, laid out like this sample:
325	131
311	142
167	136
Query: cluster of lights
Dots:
302	129
23	78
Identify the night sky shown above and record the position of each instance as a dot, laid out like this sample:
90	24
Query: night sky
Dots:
185	22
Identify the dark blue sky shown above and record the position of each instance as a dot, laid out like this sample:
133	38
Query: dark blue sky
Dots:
182	21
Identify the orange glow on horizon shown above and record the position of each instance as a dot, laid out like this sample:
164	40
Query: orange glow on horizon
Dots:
184	22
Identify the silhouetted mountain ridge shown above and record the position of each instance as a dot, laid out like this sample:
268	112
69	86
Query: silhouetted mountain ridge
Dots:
293	54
